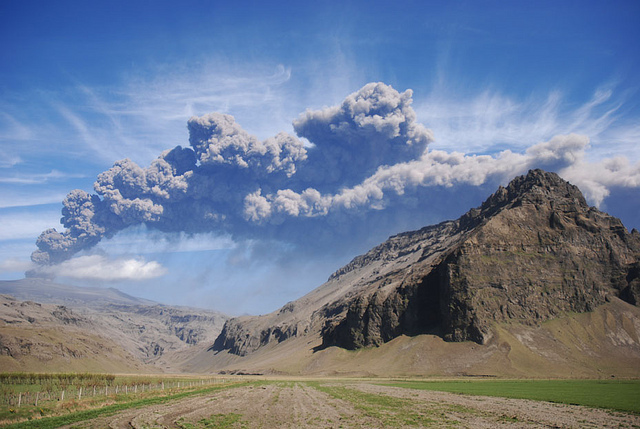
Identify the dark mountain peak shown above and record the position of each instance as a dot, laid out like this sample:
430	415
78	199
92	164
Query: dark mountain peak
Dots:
537	187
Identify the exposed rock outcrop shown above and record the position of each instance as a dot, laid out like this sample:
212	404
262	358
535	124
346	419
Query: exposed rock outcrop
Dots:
531	252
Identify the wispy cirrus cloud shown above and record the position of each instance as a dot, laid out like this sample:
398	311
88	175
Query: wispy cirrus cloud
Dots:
147	113
12	129
39	178
8	161
491	121
26	224
144	113
20	199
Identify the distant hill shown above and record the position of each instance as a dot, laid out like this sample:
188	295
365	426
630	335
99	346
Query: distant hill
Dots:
492	281
47	337
47	291
54	327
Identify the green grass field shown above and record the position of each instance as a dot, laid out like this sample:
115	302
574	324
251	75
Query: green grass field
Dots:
622	395
84	391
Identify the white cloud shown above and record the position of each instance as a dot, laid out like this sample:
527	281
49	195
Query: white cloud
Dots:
15	265
100	268
492	121
564	154
595	179
13	198
9	160
141	240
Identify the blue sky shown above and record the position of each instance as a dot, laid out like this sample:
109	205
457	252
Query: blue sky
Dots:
502	87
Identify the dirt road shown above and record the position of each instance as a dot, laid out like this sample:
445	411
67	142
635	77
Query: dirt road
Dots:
325	405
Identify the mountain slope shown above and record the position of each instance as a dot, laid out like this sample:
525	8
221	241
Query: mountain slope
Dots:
597	344
138	334
37	337
532	252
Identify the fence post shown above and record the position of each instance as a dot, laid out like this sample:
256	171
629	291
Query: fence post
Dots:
62	397
37	397
80	393
19	399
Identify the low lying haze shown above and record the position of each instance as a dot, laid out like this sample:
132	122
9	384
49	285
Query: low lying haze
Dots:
234	156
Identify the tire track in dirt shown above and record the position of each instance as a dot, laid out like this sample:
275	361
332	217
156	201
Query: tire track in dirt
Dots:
301	405
262	406
286	405
312	408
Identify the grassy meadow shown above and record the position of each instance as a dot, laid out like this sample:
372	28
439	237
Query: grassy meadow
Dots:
621	395
32	396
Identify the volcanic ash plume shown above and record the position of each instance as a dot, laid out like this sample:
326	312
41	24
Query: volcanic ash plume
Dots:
366	154
216	184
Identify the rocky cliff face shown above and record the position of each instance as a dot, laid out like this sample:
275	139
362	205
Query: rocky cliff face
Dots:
530	252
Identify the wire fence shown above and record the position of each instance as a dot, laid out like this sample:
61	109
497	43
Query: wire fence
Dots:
35	396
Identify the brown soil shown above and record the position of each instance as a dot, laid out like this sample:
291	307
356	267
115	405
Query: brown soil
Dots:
300	405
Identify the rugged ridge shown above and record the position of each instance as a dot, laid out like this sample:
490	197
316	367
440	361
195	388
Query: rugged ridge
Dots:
37	314
531	252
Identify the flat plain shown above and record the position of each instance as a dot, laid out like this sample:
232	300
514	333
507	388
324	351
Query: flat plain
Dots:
353	403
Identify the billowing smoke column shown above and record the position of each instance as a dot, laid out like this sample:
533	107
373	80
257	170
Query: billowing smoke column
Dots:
373	127
219	183
365	154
